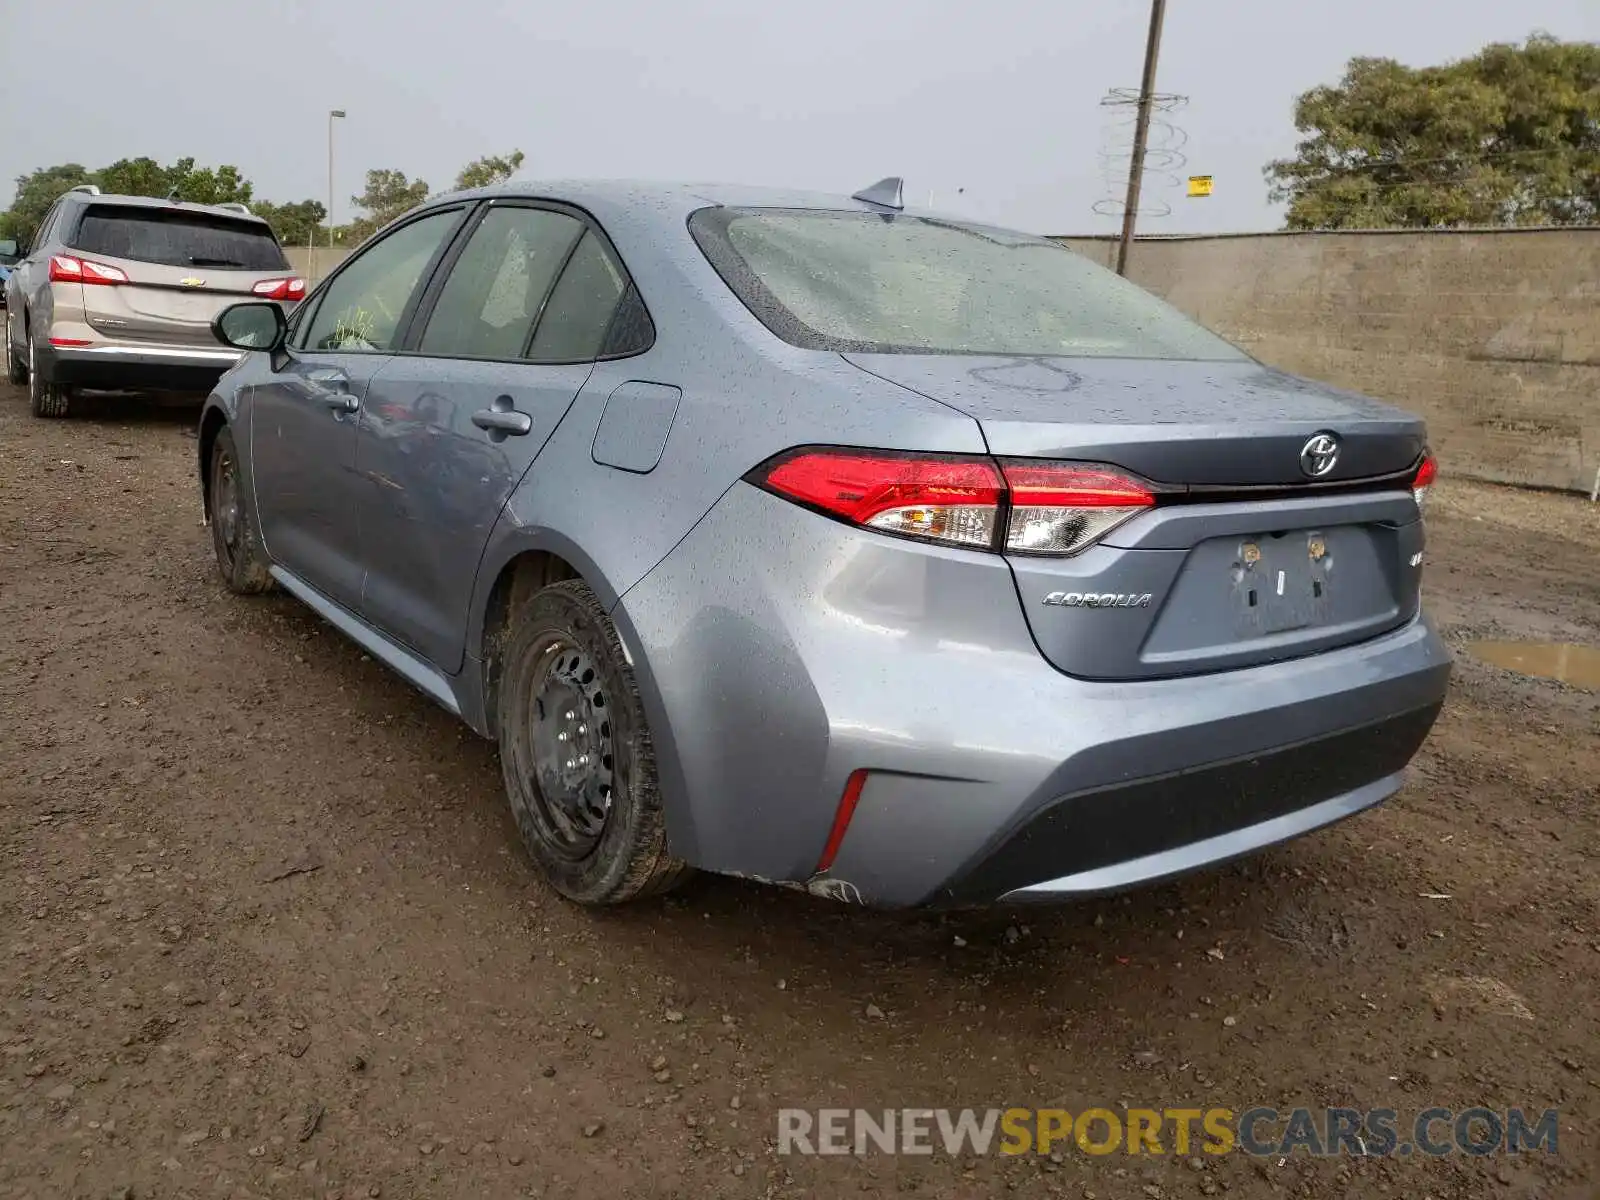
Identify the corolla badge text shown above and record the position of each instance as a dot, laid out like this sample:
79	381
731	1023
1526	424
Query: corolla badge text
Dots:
1099	599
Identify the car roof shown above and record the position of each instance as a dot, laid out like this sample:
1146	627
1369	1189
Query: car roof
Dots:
213	210
682	197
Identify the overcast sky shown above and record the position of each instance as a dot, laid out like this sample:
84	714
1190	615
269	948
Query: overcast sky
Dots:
999	97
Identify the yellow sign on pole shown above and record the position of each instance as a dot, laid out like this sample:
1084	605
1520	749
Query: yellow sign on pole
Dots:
1199	185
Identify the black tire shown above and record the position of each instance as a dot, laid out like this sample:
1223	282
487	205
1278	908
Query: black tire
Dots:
597	833
48	398
16	364
241	560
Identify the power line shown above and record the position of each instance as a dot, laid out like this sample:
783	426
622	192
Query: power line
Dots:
1163	155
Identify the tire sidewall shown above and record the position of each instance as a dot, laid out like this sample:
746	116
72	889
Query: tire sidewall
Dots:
571	612
16	366
245	569
47	398
35	380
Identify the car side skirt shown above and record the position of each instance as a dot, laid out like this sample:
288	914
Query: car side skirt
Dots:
397	658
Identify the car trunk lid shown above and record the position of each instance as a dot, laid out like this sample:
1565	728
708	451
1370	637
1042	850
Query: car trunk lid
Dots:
1245	557
1228	424
166	304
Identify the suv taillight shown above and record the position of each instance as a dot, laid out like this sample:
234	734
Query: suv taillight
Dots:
1426	474
64	268
281	289
1021	506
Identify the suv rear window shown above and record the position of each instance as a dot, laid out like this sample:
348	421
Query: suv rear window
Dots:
174	238
897	284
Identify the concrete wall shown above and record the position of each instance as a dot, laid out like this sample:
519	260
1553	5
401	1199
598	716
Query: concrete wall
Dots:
1494	336
314	264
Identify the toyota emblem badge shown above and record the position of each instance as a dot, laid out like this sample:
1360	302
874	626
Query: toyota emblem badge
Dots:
1319	455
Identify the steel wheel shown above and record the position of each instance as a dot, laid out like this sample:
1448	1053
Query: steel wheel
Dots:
570	734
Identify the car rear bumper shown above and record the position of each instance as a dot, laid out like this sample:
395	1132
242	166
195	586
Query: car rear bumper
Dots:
783	651
1153	828
117	367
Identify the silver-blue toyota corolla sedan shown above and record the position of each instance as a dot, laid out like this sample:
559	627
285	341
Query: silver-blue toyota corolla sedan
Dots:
820	541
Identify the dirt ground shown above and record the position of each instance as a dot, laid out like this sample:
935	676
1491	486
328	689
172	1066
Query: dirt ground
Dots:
265	931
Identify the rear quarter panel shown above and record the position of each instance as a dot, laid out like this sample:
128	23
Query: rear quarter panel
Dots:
745	396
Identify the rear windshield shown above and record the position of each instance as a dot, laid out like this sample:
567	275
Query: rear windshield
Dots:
862	281
175	238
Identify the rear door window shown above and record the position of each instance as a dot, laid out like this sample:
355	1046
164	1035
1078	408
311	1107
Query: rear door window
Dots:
176	238
573	327
41	237
497	288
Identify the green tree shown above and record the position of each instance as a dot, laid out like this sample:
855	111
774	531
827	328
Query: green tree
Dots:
489	169
183	180
36	192
1510	136
294	223
143	176
388	194
134	177
208	185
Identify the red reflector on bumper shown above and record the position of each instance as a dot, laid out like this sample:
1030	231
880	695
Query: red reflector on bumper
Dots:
69	341
841	818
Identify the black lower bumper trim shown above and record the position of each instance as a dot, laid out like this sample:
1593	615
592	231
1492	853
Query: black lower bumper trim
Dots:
134	376
1102	828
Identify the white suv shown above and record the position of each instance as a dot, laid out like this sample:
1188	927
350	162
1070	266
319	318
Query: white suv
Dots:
119	292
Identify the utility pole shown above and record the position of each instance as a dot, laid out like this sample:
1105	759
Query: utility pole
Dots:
1141	133
332	113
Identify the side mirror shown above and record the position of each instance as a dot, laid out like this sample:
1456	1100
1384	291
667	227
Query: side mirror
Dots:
254	325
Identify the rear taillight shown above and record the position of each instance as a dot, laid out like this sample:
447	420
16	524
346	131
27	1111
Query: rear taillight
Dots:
64	268
1016	506
281	289
1425	476
951	500
1062	508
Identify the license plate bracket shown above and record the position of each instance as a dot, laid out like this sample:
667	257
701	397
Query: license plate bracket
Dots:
1281	582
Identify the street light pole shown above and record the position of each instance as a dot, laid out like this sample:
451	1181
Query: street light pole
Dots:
1141	132
332	114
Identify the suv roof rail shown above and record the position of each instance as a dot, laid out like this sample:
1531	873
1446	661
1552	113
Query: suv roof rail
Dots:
86	188
235	206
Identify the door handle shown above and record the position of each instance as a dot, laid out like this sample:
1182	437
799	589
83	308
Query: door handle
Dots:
335	385
501	418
